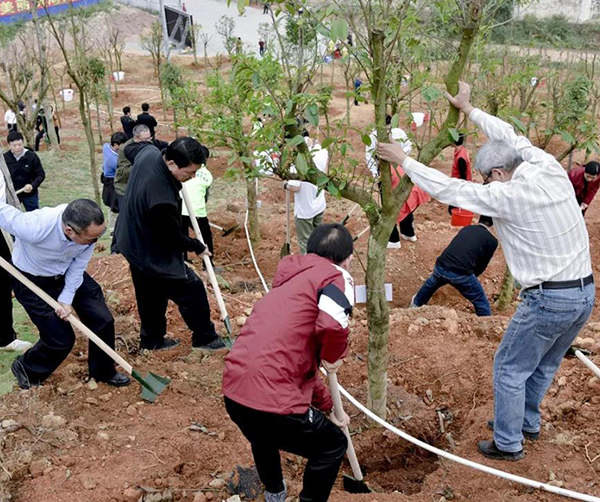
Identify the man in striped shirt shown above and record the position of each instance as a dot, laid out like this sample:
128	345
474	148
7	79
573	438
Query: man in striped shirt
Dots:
546	245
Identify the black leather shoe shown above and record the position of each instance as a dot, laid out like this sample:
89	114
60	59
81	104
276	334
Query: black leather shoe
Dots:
166	344
532	436
119	380
490	450
22	379
215	345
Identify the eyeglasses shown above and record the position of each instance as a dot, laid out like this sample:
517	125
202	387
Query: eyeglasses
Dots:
86	239
487	178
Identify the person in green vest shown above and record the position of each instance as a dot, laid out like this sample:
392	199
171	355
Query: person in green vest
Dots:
198	188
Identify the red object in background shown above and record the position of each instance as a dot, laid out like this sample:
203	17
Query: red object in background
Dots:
413	127
461	218
426	117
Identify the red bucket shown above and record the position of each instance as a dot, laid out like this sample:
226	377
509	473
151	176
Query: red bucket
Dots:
461	218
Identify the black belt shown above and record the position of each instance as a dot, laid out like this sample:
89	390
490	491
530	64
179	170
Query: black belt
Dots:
576	283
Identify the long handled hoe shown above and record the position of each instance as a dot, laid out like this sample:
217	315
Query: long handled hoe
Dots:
209	268
152	385
285	249
354	484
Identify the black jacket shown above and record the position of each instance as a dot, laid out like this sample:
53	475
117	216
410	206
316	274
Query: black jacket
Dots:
147	120
149	234
128	124
27	170
469	252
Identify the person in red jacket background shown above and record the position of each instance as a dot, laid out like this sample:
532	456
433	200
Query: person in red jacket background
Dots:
270	382
461	165
585	181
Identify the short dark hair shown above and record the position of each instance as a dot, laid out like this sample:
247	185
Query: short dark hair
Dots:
126	110
118	138
14	136
331	241
590	168
185	151
486	220
145	107
81	213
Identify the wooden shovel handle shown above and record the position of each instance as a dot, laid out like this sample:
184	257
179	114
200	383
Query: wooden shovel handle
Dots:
207	263
339	410
75	322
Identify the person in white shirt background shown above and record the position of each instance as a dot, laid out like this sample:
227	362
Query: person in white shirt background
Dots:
309	205
546	246
10	119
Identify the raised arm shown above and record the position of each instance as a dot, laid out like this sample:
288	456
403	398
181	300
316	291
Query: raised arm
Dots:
25	226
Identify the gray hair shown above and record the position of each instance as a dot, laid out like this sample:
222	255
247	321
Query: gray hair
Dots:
81	213
139	129
497	154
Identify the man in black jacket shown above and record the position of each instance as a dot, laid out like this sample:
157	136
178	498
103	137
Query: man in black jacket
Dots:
146	119
25	169
465	258
151	239
128	122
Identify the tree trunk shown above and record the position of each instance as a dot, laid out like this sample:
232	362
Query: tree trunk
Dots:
506	293
251	200
89	134
98	119
109	103
51	132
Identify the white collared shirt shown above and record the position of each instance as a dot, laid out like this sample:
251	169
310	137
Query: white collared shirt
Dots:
536	215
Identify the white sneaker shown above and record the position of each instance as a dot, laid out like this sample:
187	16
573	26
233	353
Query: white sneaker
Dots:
412	303
411	239
394	245
17	346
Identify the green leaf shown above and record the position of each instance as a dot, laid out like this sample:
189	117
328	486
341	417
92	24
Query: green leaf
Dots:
395	120
568	137
344	149
312	114
322	30
518	124
322	179
295	141
454	134
343	185
301	164
366	139
332	189
241	5
339	30
327	142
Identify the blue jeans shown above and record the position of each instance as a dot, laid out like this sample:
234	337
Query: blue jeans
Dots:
32	202
467	285
534	344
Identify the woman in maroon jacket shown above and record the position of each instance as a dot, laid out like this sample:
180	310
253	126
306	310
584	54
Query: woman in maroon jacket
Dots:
585	180
270	382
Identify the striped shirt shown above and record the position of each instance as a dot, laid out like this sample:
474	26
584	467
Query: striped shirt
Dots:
536	215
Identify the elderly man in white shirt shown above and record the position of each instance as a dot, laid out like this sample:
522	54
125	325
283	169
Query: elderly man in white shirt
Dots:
309	205
53	247
546	245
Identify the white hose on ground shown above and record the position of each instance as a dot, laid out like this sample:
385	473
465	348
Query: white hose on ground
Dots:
588	363
441	453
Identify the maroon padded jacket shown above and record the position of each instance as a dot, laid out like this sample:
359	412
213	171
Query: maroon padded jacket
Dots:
584	190
303	320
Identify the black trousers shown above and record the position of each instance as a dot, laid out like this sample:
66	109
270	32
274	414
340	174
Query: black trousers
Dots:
153	293
205	230
39	136
113	243
56	336
7	333
311	436
406	228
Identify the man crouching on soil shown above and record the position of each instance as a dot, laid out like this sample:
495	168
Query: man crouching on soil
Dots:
547	249
270	382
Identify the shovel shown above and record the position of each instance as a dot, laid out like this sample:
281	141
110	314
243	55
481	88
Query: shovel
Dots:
285	249
152	385
582	354
354	484
209	268
225	231
347	217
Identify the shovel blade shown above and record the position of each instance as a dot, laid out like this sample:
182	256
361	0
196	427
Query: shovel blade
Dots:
228	231
152	385
285	250
352	485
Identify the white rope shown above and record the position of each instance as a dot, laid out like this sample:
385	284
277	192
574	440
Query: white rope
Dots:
433	449
262	279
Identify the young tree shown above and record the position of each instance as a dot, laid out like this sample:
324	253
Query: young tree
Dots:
224	27
380	27
153	43
75	51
